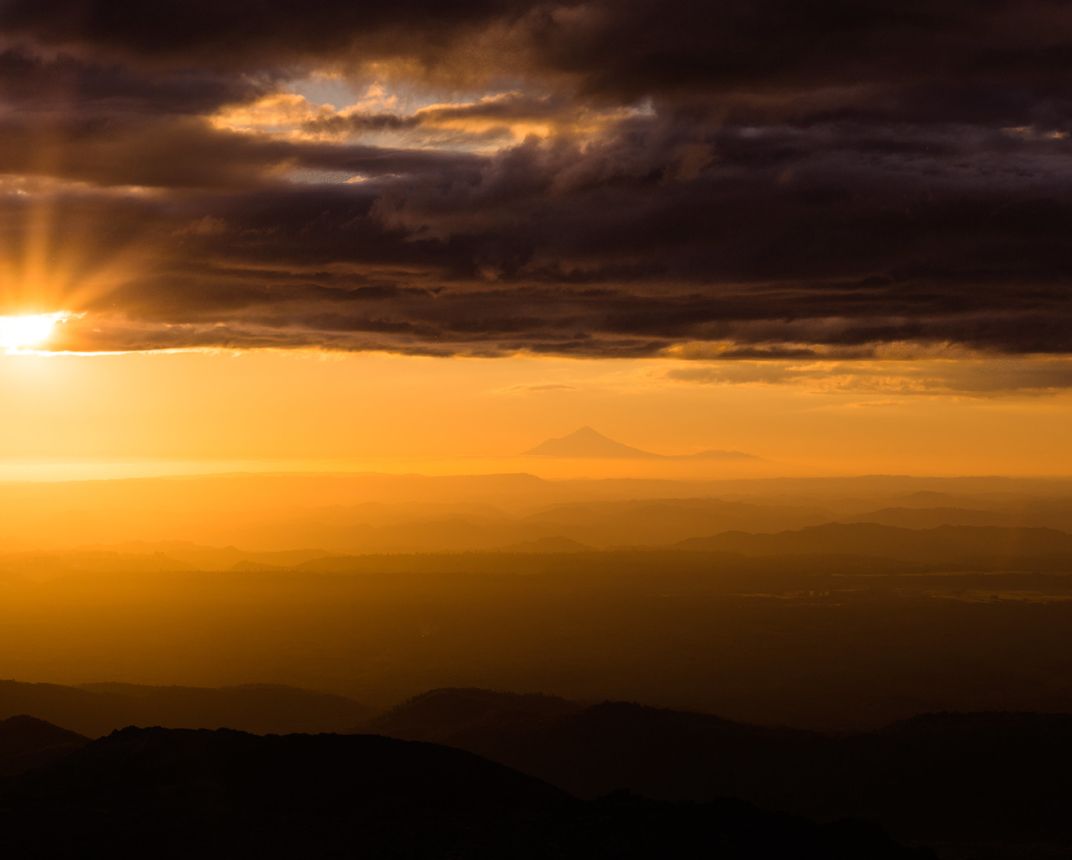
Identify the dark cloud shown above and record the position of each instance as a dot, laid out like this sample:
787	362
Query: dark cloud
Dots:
248	33
187	152
781	180
44	84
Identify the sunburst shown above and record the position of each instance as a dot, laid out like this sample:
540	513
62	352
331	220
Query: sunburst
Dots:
28	331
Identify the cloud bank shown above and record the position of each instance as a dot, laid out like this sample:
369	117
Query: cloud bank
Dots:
731	180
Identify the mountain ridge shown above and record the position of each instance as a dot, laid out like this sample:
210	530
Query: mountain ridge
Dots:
223	794
924	778
96	709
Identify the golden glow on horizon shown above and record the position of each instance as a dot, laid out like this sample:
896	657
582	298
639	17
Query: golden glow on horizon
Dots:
282	410
28	331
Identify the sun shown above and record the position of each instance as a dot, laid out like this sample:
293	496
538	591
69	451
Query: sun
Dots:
27	331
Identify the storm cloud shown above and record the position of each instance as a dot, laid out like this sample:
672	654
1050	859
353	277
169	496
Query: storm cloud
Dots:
770	179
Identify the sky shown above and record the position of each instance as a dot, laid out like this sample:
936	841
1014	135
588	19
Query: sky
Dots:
830	234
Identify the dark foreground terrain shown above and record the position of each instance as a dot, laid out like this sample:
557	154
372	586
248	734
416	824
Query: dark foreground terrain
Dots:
477	773
970	785
171	793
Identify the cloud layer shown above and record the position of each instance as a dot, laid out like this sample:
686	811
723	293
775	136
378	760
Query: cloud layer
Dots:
732	180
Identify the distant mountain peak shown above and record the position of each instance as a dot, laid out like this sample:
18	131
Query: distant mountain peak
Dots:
588	431
587	443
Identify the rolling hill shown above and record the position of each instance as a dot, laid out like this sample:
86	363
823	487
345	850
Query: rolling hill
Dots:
215	794
997	781
984	545
27	743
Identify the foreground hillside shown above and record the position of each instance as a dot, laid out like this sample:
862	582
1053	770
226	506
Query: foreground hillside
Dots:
982	784
208	794
985	786
27	743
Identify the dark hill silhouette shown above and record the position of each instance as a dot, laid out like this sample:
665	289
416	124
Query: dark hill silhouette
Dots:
27	742
461	716
653	522
1001	779
96	709
550	545
587	443
594	750
594	523
208	794
929	518
945	544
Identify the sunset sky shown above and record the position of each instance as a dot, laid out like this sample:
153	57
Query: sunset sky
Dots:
427	236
